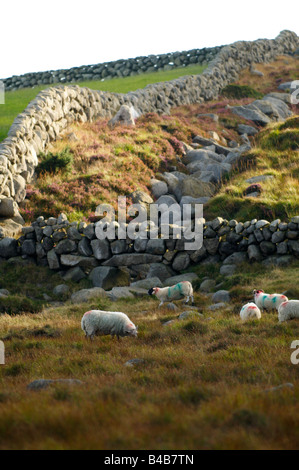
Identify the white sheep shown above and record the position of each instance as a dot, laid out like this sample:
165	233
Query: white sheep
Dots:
250	311
100	323
181	290
268	301
288	310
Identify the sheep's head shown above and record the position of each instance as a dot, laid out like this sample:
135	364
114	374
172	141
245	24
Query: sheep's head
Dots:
257	291
152	290
131	330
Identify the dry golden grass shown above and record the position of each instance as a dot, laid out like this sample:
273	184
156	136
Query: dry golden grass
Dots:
201	385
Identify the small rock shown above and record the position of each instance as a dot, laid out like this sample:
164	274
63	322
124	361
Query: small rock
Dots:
221	296
134	362
41	384
287	385
61	290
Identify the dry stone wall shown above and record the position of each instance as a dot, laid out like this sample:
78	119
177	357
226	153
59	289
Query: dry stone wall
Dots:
75	250
118	68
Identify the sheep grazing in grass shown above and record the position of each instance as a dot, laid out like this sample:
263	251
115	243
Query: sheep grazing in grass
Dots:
179	291
100	323
268	301
288	310
250	311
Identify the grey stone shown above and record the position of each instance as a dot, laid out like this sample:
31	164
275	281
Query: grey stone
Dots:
74	274
28	247
73	234
217	306
8	247
134	362
84	248
147	283
245	129
156	246
120	293
42	384
8	207
108	277
180	278
258	179
228	269
221	296
278	237
118	247
53	260
159	188
65	246
101	249
61	290
89	231
159	270
267	248
85	295
207	285
129	259
190	313
181	261
254	253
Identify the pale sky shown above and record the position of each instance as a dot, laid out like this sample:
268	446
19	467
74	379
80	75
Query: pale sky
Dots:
37	35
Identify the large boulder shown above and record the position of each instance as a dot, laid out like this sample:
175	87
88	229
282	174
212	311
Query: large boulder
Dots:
8	247
126	116
8	207
108	277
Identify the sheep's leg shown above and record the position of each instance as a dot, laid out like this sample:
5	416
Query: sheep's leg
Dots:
187	299
161	303
192	300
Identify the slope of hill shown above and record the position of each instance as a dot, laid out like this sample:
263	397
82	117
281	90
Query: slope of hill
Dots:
107	163
16	101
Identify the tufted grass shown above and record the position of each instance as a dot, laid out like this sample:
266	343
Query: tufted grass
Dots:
276	154
16	101
201	385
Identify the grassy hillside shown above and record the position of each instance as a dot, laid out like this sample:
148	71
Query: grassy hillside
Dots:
16	101
108	163
201	386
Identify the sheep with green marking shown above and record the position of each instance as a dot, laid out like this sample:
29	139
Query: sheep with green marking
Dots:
179	291
268	301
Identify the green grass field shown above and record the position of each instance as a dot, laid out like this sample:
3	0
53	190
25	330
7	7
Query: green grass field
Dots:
16	101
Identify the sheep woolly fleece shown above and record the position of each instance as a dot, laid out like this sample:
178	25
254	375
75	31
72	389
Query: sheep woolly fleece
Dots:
99	322
268	301
288	310
250	311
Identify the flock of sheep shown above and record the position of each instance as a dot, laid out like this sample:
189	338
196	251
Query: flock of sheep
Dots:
99	322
